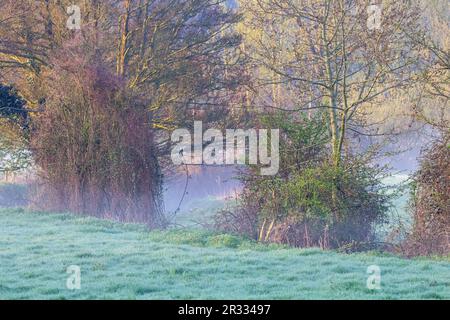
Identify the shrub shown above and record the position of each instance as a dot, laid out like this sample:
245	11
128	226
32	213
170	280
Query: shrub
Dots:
431	202
311	202
94	145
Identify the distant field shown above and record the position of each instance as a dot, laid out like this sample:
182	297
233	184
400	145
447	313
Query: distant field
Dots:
127	262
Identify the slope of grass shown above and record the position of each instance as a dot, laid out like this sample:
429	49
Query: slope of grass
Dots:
126	262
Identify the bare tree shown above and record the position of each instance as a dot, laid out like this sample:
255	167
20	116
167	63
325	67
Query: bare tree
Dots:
330	56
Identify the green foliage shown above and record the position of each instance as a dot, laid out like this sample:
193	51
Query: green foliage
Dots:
311	202
303	140
12	107
302	185
14	154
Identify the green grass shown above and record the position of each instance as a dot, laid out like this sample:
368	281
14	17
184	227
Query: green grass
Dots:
127	262
201	212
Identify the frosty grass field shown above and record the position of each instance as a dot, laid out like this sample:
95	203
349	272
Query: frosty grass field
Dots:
127	262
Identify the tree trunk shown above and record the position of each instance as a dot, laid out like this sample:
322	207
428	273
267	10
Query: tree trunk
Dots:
124	34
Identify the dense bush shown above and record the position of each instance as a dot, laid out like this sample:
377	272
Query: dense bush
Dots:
94	145
311	202
431	202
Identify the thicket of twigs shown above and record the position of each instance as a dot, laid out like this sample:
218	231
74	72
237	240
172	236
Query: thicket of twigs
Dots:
431	202
94	145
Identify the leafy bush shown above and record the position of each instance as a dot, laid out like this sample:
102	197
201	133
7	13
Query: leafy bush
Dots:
311	202
14	150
